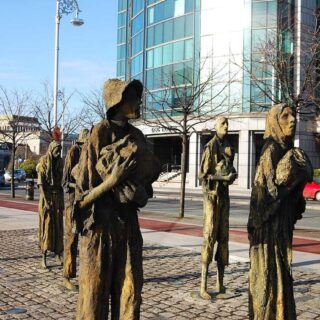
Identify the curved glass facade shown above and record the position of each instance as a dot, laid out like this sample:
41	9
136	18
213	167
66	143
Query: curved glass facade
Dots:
156	42
162	42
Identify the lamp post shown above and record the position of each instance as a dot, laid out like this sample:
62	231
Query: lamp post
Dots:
62	7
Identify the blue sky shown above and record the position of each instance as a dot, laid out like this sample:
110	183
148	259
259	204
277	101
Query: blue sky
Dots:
87	53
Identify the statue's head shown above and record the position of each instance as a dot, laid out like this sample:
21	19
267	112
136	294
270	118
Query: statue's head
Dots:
221	126
123	98
83	136
281	123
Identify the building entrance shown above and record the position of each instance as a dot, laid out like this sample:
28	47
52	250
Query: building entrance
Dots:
168	150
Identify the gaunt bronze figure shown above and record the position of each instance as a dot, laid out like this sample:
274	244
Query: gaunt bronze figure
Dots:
114	179
216	173
276	204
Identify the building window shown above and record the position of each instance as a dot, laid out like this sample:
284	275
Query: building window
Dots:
122	5
122	19
137	6
137	65
137	24
137	43
121	52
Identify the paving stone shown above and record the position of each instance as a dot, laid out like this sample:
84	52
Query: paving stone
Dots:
171	275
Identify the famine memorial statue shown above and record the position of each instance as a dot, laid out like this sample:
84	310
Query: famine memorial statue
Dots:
216	173
115	173
50	171
70	236
276	205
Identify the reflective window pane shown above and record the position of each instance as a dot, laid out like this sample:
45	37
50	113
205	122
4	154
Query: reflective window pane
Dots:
259	15
158	57
137	6
188	49
178	51
137	24
168	31
178	7
137	43
167	53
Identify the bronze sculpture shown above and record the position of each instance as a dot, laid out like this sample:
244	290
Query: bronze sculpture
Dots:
216	173
70	234
109	191
276	204
50	171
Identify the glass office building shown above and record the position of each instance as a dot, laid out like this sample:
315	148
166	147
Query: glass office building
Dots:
189	39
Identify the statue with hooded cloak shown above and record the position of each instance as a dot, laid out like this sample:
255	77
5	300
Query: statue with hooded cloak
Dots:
51	203
70	234
276	205
113	180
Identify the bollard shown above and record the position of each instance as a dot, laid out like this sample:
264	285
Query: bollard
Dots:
29	190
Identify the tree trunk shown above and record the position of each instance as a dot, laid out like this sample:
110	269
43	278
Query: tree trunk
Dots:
13	155
183	174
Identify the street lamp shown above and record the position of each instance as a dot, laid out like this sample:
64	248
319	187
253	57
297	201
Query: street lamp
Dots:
62	7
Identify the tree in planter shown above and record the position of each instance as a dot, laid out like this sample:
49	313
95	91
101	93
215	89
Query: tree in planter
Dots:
187	100
29	166
16	127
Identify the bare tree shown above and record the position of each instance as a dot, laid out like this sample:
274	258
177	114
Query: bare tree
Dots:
186	100
70	120
16	126
93	106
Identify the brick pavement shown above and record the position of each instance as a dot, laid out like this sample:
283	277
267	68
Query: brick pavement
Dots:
171	275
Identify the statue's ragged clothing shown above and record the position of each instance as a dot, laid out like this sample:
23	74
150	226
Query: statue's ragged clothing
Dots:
217	159
50	173
70	237
111	241
276	204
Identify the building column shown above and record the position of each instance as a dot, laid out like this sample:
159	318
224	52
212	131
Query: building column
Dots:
193	160
244	160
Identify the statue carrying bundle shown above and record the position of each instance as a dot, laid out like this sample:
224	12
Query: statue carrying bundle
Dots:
146	170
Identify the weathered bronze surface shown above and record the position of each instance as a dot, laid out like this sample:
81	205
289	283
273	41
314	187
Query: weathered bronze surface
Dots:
50	171
109	190
276	204
216	173
71	237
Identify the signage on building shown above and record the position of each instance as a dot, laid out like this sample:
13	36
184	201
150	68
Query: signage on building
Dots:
161	130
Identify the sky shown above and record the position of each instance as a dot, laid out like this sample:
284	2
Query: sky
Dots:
87	53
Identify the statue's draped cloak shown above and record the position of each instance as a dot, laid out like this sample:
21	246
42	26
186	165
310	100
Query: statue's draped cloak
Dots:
71	238
51	220
273	214
111	241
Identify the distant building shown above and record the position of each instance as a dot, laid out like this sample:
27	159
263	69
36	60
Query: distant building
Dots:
29	133
160	36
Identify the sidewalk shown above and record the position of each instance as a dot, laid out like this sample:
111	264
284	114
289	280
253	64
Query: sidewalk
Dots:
171	279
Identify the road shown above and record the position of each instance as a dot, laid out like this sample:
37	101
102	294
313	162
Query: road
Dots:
167	205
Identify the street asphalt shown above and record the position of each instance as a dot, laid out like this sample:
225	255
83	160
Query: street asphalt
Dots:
166	204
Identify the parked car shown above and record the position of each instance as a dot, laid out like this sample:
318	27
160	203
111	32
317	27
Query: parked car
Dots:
19	175
312	190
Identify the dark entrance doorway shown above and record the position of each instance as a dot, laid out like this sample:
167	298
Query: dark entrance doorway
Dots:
168	150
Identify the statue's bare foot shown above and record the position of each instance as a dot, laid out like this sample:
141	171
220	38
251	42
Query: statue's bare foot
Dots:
205	295
69	285
59	259
43	265
221	288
